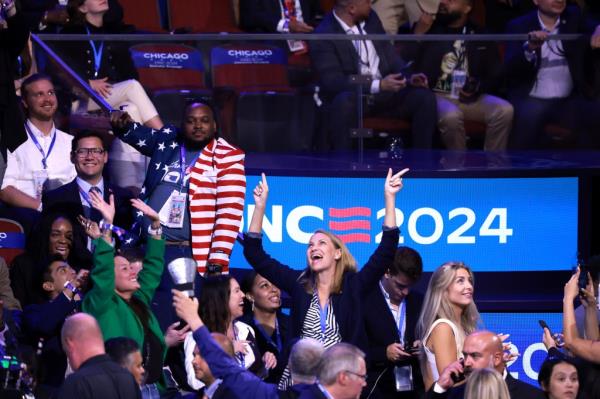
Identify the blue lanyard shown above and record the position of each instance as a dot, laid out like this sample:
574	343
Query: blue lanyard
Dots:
39	147
402	312
323	317
97	53
269	340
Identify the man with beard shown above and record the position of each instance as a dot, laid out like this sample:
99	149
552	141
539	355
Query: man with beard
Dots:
462	73
189	169
482	349
43	161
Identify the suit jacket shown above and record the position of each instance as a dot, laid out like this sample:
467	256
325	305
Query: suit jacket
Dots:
382	330
335	61
522	73
264	15
66	200
517	390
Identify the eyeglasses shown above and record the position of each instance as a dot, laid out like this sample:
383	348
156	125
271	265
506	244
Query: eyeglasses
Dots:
84	152
362	376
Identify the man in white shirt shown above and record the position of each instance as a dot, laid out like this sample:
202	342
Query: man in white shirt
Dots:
43	161
551	80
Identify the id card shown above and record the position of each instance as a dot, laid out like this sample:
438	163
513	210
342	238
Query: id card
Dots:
39	180
297	46
173	211
404	378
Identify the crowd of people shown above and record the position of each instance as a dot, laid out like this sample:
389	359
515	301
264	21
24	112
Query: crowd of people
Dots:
90	308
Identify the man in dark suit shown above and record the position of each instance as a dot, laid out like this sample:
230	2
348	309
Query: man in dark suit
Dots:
387	91
89	154
390	316
481	349
271	16
550	79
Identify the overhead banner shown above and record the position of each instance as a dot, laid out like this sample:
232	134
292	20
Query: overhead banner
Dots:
495	224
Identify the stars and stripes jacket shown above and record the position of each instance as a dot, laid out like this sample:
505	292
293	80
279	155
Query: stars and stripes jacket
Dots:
216	190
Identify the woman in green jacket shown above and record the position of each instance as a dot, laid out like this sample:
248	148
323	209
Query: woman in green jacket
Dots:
120	297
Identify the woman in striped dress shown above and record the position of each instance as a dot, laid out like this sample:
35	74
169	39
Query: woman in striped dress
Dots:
326	296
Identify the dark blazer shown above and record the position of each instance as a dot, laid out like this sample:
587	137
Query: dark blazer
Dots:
346	305
12	42
517	390
522	73
264	15
483	57
335	61
66	200
381	330
116	63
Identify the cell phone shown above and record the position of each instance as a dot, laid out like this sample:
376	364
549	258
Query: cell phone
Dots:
544	325
458	377
583	276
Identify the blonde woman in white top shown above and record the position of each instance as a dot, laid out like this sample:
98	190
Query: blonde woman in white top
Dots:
448	315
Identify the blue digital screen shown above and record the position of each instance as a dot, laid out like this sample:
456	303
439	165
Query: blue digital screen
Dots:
526	338
491	224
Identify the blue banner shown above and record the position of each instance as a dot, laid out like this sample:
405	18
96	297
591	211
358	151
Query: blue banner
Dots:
262	55
168	59
495	224
526	339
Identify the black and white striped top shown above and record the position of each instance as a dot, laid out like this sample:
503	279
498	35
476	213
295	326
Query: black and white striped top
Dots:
311	328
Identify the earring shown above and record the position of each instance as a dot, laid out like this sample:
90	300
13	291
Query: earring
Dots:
253	306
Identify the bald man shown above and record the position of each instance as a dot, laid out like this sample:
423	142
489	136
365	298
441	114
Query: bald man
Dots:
482	349
96	376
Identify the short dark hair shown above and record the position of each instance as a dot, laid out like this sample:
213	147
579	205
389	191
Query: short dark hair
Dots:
85	134
552	360
119	348
36	77
407	261
46	274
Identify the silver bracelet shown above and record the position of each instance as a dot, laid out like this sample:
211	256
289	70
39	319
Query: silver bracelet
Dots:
155	232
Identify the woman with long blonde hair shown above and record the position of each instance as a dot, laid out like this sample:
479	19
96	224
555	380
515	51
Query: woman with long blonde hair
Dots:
486	384
326	296
448	315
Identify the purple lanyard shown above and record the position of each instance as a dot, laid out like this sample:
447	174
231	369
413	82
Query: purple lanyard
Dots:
268	338
39	147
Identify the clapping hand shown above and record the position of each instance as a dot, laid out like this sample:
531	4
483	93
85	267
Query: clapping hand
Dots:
91	228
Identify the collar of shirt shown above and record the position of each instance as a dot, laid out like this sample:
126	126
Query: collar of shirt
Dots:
543	27
85	186
396	313
350	30
325	392
210	391
39	134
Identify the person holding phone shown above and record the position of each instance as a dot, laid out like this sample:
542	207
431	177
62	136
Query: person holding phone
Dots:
389	92
390	315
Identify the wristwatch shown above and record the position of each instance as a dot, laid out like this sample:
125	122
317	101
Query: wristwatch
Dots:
155	232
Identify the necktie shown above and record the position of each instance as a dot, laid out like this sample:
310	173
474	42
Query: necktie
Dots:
95	215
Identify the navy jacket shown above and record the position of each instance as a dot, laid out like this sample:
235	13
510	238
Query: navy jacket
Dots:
335	61
522	73
66	200
264	15
346	305
381	330
239	381
44	322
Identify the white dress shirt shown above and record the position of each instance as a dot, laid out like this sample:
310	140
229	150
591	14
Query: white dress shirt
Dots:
26	159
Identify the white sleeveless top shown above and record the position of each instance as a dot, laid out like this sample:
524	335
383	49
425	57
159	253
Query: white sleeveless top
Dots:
431	356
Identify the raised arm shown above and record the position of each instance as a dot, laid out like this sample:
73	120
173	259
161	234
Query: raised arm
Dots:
149	276
144	139
586	349
274	271
384	254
